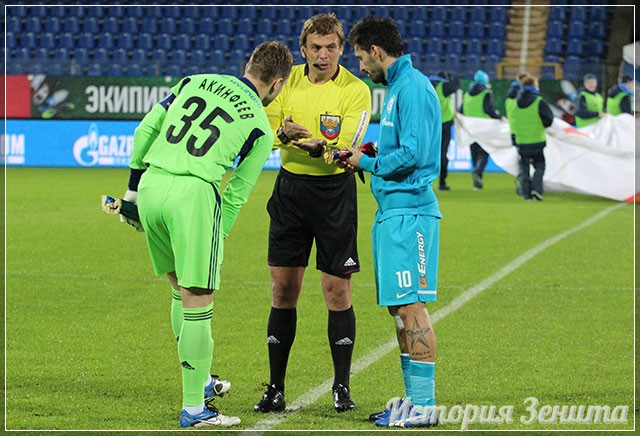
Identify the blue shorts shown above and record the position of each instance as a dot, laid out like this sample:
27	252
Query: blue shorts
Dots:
405	258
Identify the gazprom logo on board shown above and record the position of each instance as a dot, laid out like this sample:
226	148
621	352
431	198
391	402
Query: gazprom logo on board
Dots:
95	149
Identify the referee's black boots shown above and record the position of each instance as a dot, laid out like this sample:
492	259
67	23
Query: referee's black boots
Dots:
342	399
272	400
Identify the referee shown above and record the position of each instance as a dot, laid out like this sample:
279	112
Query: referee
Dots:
323	106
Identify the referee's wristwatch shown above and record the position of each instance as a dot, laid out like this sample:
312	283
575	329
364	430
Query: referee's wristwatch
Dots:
282	136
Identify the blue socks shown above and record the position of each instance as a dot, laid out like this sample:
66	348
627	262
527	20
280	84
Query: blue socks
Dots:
405	360
423	385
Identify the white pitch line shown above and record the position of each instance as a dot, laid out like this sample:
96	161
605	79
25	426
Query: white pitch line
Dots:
312	395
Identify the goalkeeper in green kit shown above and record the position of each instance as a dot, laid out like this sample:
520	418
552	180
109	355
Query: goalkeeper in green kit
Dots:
182	149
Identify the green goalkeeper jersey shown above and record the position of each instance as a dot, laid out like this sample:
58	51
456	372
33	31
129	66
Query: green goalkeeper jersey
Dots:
200	129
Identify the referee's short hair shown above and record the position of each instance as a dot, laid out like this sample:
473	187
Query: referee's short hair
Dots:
322	24
270	60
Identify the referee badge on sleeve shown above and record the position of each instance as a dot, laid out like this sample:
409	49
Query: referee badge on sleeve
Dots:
330	126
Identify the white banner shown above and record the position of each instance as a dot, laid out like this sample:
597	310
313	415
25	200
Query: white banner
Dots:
594	160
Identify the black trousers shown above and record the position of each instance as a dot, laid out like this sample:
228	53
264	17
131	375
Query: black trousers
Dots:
531	155
479	159
444	147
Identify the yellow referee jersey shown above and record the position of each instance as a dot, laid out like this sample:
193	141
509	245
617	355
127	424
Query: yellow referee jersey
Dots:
337	111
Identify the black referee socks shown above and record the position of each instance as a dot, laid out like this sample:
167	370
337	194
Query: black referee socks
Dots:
341	329
281	331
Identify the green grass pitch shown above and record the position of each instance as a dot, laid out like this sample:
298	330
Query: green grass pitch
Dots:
89	342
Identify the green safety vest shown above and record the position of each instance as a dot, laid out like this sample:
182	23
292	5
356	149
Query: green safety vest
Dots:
594	104
445	103
526	124
613	103
472	105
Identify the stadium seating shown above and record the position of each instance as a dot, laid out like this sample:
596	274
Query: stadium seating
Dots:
41	54
598	13
47	41
73	35
100	55
553	46
472	62
52	24
477	29
495	47
434	45
241	42
595	48
105	41
454	46
433	60
576	29
419	14
115	69
555	29
456	29
71	24
597	30
222	42
415	46
33	25
418	28
143	42
458	14
86	40
437	29
202	42
163	41
572	68
119	56
575	47
130	25
578	13
557	13
94	69
474	46
186	26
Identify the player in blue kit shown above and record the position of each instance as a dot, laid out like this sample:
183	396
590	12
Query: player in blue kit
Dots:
406	227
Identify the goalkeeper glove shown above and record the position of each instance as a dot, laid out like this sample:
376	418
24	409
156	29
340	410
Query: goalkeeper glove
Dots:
369	148
131	197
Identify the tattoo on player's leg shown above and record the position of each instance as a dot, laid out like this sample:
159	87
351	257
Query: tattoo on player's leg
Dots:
418	337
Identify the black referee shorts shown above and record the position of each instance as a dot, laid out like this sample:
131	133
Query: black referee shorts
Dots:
325	208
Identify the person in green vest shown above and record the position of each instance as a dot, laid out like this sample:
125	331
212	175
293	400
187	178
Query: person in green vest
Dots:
445	85
528	119
590	104
619	97
478	102
509	103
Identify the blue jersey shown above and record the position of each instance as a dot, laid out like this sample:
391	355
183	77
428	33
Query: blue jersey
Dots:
408	158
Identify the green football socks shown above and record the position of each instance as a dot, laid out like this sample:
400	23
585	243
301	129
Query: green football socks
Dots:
176	313
195	350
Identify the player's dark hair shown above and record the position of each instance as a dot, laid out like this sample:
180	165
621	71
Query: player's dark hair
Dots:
380	31
270	60
322	24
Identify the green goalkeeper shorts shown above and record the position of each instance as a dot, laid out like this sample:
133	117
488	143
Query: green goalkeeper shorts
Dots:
182	219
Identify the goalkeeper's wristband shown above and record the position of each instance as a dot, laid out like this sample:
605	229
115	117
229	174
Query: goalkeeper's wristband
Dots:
134	179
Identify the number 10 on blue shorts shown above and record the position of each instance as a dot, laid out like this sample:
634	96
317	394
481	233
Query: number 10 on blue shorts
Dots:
405	255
